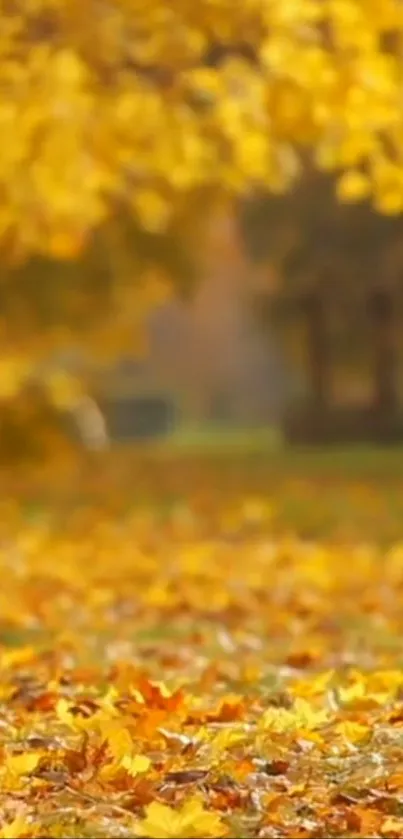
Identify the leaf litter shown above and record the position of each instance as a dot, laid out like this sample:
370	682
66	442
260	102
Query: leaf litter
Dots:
206	672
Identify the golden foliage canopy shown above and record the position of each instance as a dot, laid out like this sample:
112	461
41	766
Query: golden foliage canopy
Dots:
134	103
137	109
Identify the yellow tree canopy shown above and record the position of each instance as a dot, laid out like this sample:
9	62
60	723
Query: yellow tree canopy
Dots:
135	103
112	108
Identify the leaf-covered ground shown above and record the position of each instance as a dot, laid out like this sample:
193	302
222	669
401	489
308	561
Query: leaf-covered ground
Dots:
202	649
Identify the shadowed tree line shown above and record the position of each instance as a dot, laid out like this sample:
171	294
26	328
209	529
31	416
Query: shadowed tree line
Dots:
338	297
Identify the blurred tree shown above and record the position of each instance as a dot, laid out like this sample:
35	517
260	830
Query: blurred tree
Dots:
341	274
118	114
123	102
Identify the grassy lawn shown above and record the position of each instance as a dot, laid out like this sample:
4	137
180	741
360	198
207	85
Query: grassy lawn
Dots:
203	638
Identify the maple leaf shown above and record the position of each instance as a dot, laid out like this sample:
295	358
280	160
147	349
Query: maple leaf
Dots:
359	694
22	764
227	738
120	741
121	748
64	714
135	765
229	708
301	716
191	821
353	732
315	685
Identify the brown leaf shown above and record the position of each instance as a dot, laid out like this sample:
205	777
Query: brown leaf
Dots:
188	776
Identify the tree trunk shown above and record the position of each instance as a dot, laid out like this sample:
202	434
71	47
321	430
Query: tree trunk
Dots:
385	361
317	350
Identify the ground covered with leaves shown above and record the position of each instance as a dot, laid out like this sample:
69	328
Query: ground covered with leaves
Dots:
214	649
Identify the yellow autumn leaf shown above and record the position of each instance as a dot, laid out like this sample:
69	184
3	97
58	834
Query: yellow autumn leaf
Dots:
120	741
353	732
393	826
63	389
278	720
351	693
385	680
314	686
226	739
64	715
192	821
13	374
389	201
17	828
121	749
67	67
74	721
253	156
355	149
360	691
22	764
152	208
205	81
135	765
17	657
353	186
164	690
63	244
95	721
301	716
